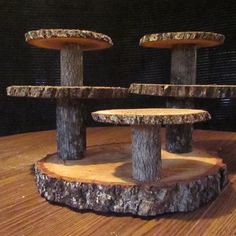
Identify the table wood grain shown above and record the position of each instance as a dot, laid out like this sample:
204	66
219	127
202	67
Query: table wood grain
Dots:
24	212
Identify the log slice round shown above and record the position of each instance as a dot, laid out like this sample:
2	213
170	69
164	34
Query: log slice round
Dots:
58	38
67	92
182	91
103	182
170	39
151	116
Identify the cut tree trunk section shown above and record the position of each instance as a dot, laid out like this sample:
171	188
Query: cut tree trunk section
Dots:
71	65
146	153
179	137
183	71
71	131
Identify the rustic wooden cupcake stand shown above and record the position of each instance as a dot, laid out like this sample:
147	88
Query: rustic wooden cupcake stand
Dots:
141	178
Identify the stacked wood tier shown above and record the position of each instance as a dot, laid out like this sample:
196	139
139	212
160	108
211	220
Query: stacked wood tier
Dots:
67	92
182	91
146	140
71	130
183	47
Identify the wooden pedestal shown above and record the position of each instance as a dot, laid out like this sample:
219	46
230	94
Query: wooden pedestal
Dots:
102	181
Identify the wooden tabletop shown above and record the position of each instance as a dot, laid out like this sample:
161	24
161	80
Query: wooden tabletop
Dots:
24	212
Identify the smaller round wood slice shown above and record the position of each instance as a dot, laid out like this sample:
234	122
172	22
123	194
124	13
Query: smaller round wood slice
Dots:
170	39
192	91
67	92
58	38
151	116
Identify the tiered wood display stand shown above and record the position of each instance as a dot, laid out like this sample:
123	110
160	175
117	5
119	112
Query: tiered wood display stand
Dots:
141	178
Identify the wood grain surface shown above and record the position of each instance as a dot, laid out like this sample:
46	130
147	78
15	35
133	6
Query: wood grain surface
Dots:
182	91
151	116
24	212
67	92
58	38
170	39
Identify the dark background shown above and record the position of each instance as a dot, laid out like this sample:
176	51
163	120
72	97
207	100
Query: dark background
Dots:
125	22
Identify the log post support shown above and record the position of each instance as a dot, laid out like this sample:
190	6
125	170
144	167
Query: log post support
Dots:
146	153
71	131
183	72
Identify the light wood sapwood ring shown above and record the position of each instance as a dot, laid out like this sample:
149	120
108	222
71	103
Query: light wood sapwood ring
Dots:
58	38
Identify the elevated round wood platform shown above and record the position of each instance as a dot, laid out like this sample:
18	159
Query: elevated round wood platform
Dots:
102	182
151	116
191	91
67	92
58	38
170	39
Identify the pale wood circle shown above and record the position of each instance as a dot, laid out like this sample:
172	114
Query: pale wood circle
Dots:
67	92
151	116
170	39
194	91
58	38
111	164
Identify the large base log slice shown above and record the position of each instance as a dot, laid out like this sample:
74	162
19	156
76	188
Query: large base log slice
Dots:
190	91
102	182
67	92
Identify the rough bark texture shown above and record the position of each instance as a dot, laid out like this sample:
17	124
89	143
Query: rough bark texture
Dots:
151	116
138	199
67	92
191	91
71	130
183	71
71	65
167	40
58	38
179	137
146	153
183	64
